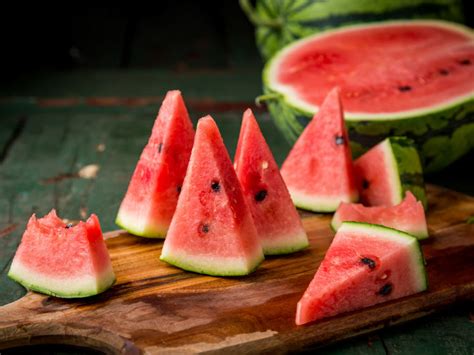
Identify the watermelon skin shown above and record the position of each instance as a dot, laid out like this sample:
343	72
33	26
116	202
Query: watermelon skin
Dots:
441	133
318	170
63	262
365	265
279	23
212	231
408	216
387	171
277	222
152	195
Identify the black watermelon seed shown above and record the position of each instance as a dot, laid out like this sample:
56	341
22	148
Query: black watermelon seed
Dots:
386	289
404	88
365	184
215	186
443	72
260	196
160	147
340	140
179	189
69	225
466	61
369	262
205	228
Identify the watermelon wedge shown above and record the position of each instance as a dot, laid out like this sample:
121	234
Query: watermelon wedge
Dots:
408	216
387	171
212	231
152	194
277	222
366	264
62	260
318	170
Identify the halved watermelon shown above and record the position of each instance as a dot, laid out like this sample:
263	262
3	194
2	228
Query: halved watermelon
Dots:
365	264
278	224
152	194
408	216
212	231
387	171
63	260
318	170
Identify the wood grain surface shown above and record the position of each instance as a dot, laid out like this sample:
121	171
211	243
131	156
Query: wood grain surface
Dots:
157	308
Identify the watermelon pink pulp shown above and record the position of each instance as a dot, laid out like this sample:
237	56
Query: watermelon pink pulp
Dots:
318	170
63	260
408	216
152	194
212	231
277	222
365	264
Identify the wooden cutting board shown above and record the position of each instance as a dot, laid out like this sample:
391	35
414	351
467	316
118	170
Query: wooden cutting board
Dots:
156	308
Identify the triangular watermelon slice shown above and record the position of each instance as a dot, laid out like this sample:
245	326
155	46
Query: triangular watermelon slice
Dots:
318	170
212	231
408	216
278	224
153	191
63	260
366	264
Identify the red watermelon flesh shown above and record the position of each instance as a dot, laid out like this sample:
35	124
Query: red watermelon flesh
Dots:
408	216
366	264
277	222
318	170
212	231
63	260
153	191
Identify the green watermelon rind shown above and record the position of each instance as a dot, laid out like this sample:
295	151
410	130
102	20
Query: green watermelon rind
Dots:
319	203
442	134
286	245
147	232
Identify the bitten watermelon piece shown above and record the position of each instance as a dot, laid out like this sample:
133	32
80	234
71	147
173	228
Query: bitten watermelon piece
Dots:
318	170
387	171
152	194
366	264
63	260
408	216
212	231
277	222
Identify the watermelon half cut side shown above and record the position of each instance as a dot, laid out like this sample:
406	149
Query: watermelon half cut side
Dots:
402	78
318	170
63	260
278	224
212	231
387	171
366	264
152	194
408	216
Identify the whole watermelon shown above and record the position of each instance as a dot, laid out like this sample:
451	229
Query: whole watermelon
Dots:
279	22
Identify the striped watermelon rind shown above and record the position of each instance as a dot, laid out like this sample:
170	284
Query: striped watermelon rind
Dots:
442	134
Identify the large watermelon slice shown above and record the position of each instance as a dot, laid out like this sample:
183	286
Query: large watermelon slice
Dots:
63	260
212	231
278	224
408	216
318	170
152	194
365	264
405	78
387	171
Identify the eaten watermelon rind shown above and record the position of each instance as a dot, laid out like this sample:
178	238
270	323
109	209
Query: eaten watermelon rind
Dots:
145	231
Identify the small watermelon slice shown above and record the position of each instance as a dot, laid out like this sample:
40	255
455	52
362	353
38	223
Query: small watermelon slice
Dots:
318	170
366	264
63	260
153	191
278	224
387	171
408	216
212	231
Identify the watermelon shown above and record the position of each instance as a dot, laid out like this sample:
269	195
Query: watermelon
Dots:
277	222
63	260
152	194
387	171
408	216
318	170
365	264
387	87
280	22
212	231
